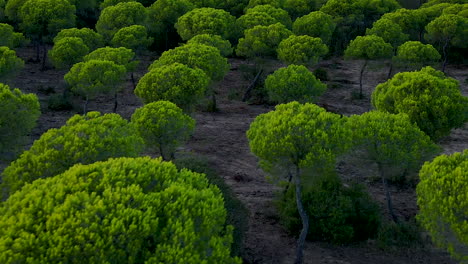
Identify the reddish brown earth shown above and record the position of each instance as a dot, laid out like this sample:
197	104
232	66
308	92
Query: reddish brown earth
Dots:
220	137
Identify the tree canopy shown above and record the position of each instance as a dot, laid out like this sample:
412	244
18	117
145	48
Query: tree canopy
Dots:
280	15
315	24
430	99
177	83
133	37
416	54
206	58
118	16
10	38
293	83
206	21
125	210
304	50
442	195
163	126
19	115
10	64
262	41
68	51
224	46
120	56
83	139
43	19
91	38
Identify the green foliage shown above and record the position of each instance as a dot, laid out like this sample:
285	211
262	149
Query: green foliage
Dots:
430	99
252	19
133	210
293	83
163	14
412	22
254	3
206	21
59	102
121	15
280	15
296	135
416	54
315	24
177	83
68	51
12	9
43	19
19	115
452	29
393	142
10	64
91	38
305	50
321	74
338	214
400	235
389	31
298	8
84	139
163	126
199	56
262	41
92	77
456	9
9	38
216	41
442	200
120	56
207	3
369	47
133	37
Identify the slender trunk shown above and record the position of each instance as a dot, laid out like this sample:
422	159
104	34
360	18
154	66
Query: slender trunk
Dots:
390	70
133	81
38	50
304	218
360	79
115	102
252	85
166	39
85	107
44	56
387	193
444	50
290	176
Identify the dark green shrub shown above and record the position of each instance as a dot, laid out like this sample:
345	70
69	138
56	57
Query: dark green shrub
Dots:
338	214
59	102
404	234
321	74
237	213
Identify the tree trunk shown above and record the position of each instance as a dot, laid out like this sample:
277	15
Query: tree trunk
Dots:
360	79
251	86
387	193
38	50
304	218
290	176
115	102
44	56
85	107
133	81
444	50
390	70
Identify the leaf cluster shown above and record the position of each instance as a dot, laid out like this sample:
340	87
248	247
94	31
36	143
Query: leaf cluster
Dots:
304	50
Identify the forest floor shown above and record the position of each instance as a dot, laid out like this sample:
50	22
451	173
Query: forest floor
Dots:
220	137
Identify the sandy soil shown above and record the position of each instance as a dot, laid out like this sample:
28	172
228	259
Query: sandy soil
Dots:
220	137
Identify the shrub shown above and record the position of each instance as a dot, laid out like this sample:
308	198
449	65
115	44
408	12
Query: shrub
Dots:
122	210
337	214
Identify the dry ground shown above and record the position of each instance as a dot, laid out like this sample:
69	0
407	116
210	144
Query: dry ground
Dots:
221	138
